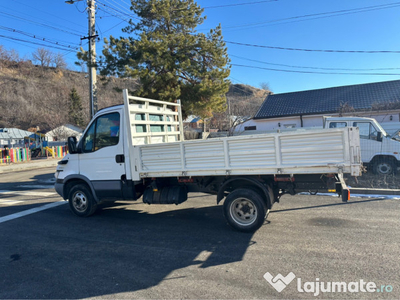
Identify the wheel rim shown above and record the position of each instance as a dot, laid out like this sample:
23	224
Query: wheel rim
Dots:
243	211
79	201
384	168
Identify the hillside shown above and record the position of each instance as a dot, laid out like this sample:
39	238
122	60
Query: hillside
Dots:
32	95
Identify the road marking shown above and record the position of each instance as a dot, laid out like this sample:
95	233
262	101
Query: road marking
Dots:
28	193
31	211
44	186
9	202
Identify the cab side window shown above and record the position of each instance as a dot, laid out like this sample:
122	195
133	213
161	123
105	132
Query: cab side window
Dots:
367	131
104	132
337	124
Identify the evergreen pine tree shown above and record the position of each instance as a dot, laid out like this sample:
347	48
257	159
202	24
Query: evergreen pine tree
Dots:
171	59
75	113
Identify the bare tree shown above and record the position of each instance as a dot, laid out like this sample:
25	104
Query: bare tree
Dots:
265	86
43	56
59	61
8	57
345	108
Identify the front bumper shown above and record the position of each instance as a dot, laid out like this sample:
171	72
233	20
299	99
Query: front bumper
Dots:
59	187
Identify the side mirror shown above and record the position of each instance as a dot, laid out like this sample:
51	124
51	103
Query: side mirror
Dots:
72	145
379	137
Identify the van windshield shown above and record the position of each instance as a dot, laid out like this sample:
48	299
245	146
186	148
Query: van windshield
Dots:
377	125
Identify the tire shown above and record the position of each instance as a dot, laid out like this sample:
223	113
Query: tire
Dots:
81	201
385	167
245	210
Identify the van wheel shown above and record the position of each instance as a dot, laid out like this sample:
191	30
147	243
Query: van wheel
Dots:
81	201
385	166
245	210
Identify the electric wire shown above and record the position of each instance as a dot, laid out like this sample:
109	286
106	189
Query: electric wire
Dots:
239	4
34	36
316	72
51	14
39	23
308	17
36	43
111	14
313	68
314	50
117	5
117	10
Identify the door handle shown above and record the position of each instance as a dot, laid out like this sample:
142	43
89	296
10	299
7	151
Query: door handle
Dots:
119	158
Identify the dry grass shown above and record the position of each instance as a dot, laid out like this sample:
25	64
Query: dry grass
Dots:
369	180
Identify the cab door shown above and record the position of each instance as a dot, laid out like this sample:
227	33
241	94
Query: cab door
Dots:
368	141
101	156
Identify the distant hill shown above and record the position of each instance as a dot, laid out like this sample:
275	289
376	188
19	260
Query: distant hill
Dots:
32	95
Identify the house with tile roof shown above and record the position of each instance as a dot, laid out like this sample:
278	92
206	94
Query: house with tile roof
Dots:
378	100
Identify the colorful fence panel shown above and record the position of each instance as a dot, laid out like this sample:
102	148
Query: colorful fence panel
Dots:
56	151
14	155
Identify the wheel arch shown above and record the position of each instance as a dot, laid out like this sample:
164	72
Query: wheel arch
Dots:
265	191
383	157
72	180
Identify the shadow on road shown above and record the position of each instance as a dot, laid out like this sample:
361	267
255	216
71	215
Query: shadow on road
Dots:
44	180
119	249
333	204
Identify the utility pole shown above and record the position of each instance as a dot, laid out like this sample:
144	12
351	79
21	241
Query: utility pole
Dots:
91	8
92	57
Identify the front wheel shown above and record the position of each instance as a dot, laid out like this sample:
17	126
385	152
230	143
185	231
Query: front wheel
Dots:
81	201
385	167
245	210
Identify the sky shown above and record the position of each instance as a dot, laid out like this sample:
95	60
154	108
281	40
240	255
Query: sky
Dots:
266	39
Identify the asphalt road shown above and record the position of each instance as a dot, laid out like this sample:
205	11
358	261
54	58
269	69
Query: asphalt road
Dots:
132	250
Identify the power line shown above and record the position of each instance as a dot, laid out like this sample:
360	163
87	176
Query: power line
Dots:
39	23
111	14
35	36
322	14
313	50
316	72
35	43
51	14
117	5
313	68
238	4
115	26
117	10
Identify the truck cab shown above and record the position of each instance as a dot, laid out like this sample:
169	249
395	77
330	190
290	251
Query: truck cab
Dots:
379	151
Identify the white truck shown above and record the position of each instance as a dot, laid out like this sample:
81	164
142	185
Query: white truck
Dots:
137	150
380	152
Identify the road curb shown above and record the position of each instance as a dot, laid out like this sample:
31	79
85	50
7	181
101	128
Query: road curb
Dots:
31	165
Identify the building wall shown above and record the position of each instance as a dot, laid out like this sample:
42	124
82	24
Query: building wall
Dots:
389	120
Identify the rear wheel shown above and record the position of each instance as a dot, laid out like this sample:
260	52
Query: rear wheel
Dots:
245	210
81	201
385	166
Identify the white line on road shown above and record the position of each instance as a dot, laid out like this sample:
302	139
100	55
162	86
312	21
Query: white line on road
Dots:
27	193
31	211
